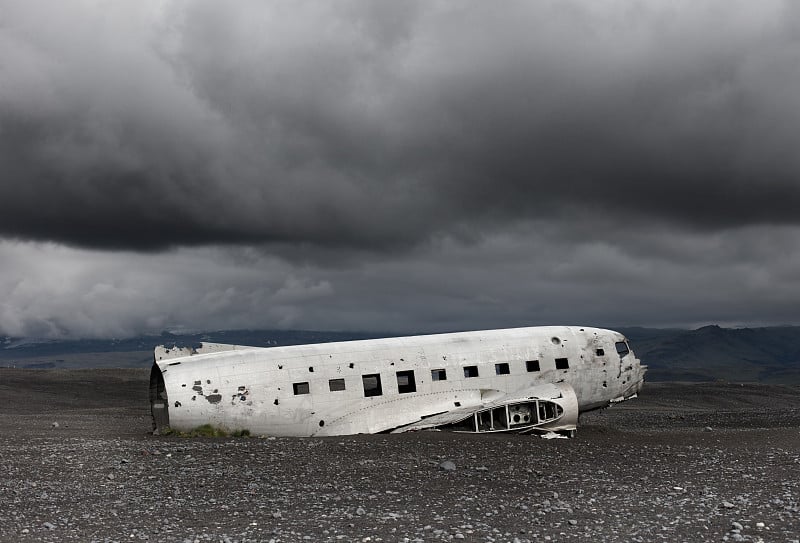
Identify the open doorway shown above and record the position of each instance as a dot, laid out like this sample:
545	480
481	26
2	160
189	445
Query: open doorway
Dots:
158	399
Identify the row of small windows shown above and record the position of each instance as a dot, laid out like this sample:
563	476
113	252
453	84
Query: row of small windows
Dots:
502	368
406	382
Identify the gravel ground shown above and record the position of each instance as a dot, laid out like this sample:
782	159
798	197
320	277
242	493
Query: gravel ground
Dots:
712	462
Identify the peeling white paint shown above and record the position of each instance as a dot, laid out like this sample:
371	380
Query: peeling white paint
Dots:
520	379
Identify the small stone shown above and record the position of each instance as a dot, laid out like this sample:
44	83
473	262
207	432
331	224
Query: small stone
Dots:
728	505
573	522
447	465
55	425
361	511
49	526
760	525
736	526
708	429
459	535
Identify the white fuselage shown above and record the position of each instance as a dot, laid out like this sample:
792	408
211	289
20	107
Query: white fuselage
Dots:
377	385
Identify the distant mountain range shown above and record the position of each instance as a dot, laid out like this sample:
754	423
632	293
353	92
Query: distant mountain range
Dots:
137	352
768	355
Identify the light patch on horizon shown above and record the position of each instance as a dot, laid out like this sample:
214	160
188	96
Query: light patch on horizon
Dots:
446	285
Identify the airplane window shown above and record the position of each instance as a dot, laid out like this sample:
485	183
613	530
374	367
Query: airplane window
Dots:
600	352
549	410
532	365
562	364
438	375
405	382
470	371
372	385
336	385
622	348
300	388
502	368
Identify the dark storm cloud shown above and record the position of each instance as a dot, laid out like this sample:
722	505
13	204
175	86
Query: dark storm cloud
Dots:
372	125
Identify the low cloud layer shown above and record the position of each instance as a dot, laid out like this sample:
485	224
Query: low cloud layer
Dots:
528	276
400	166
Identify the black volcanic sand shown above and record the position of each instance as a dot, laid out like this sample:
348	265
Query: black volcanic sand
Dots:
695	462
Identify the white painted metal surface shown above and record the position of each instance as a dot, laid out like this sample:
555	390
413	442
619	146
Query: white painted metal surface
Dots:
387	384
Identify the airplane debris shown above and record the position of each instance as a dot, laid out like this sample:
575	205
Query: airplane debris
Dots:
515	380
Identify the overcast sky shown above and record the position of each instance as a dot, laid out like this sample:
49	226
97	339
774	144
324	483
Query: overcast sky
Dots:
397	166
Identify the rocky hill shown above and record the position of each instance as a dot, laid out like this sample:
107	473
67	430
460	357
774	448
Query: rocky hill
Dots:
769	355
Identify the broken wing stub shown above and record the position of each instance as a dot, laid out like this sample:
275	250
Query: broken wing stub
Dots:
546	408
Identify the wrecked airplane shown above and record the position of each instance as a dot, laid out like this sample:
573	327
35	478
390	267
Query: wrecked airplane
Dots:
513	380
